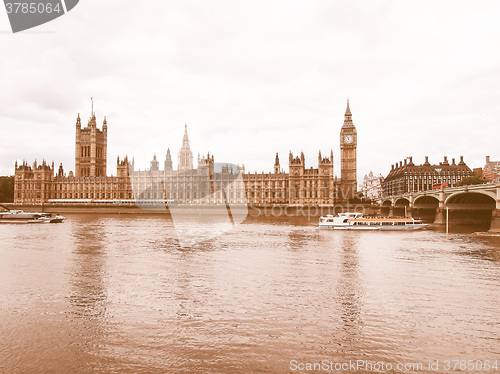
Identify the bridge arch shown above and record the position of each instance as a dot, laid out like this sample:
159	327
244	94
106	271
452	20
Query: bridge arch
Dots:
426	202
400	206
471	207
425	206
385	209
402	202
471	197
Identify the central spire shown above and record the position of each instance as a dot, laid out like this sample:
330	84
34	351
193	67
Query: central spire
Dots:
185	154
185	139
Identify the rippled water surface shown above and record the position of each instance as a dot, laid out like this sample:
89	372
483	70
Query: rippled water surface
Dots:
117	294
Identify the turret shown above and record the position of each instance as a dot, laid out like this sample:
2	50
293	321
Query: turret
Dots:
92	121
168	161
154	164
122	167
60	172
277	164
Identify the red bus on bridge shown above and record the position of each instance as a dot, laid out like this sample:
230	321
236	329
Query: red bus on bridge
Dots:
439	186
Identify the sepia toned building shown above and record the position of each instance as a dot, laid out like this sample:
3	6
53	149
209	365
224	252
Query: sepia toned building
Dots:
407	177
208	183
348	157
91	148
372	186
491	170
39	183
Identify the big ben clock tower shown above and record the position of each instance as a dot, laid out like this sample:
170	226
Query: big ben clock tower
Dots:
348	144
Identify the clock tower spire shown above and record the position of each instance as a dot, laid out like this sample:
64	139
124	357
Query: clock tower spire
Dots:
348	145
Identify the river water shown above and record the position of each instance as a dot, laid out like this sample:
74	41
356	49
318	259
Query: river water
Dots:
117	294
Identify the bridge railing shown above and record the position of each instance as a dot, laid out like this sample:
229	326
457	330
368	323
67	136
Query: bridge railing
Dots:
455	188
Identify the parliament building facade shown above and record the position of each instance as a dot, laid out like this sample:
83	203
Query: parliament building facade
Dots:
209	183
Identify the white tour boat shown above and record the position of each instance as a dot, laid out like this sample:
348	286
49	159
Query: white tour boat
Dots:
356	221
19	216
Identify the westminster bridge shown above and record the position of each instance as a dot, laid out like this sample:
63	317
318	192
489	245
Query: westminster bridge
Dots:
483	199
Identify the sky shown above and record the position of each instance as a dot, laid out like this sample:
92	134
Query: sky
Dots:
254	78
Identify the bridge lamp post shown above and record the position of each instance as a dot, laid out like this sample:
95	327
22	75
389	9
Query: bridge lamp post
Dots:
440	219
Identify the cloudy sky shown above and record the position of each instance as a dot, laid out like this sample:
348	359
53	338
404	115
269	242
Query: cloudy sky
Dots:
252	78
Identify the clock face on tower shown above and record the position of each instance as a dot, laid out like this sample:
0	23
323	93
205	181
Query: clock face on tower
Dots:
348	138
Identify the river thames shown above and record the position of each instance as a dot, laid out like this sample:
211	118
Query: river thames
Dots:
117	294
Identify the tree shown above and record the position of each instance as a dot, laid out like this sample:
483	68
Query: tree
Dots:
6	189
356	199
476	179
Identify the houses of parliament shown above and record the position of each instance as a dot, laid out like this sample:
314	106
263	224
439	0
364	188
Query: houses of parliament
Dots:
209	183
